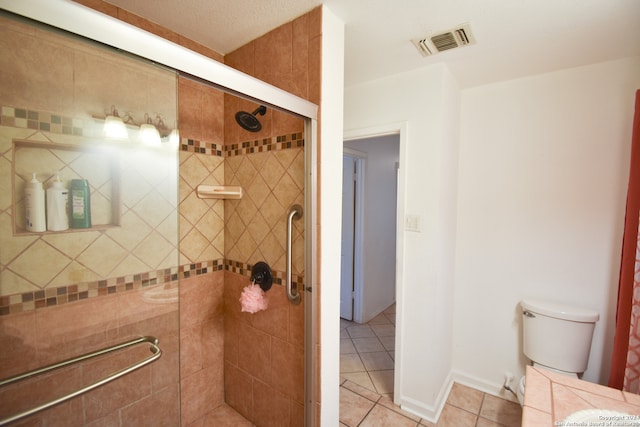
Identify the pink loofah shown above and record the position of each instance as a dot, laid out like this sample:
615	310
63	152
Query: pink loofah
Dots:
253	299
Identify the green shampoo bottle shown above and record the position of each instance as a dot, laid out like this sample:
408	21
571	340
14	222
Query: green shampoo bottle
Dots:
80	204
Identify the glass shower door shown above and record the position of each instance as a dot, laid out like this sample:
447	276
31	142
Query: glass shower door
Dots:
70	291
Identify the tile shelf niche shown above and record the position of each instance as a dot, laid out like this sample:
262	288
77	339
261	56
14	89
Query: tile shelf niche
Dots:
98	163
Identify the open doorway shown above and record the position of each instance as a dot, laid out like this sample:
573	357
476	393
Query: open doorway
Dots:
351	361
368	258
370	194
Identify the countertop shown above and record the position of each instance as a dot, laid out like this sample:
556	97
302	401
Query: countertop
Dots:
550	397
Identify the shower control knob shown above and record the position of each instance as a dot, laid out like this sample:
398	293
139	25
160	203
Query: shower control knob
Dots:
261	275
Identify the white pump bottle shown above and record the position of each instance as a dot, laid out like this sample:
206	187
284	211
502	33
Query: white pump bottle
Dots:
57	206
34	205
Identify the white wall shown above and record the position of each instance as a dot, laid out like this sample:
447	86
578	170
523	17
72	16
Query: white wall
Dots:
379	224
329	221
542	185
426	100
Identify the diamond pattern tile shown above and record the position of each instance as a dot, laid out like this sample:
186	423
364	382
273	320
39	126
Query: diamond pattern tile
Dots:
156	166
211	252
211	224
169	229
215	166
11	247
245	173
257	190
134	187
123	236
246	209
193	171
193	208
273	172
74	273
259	228
11	283
153	249
93	166
286	191
102	256
31	159
269	179
40	274
66	156
128	266
153	209
73	243
193	245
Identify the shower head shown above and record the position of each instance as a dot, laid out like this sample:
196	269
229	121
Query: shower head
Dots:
249	121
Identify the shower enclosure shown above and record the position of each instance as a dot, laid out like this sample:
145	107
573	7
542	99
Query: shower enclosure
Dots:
158	262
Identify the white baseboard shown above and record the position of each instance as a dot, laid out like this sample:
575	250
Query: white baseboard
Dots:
430	413
493	389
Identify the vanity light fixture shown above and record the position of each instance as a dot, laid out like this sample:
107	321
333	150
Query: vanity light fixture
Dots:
152	132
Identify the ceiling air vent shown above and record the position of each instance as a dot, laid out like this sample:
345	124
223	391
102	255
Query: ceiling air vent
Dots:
457	37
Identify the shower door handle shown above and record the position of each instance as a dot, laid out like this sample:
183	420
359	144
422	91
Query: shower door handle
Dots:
295	213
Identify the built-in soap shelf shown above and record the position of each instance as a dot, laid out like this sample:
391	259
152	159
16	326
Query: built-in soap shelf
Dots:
219	192
47	159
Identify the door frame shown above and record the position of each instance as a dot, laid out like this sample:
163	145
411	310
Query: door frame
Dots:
358	231
401	129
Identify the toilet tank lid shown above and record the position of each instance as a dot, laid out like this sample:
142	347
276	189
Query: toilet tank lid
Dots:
560	311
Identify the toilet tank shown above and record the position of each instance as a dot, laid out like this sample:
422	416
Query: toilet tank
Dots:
557	335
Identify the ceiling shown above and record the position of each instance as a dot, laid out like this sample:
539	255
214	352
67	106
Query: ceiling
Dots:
514	38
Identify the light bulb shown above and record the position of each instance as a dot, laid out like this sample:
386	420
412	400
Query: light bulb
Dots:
115	128
149	135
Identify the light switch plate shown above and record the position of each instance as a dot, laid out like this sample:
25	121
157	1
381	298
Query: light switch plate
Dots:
412	223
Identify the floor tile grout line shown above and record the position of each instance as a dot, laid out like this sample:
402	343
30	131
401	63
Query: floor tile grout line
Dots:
366	370
359	353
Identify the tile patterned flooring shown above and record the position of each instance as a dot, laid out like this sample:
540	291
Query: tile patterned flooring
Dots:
366	389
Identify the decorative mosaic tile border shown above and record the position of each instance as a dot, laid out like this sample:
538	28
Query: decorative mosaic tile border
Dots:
52	297
65	294
201	147
56	123
40	120
282	142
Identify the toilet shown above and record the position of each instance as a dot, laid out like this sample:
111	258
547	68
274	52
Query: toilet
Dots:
556	337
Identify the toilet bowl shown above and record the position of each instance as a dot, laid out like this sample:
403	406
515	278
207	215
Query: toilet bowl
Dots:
556	337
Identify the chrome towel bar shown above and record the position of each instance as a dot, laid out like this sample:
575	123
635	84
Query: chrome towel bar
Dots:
153	346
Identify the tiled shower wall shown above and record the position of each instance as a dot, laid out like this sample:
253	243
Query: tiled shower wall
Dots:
204	251
65	293
264	352
288	57
263	375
